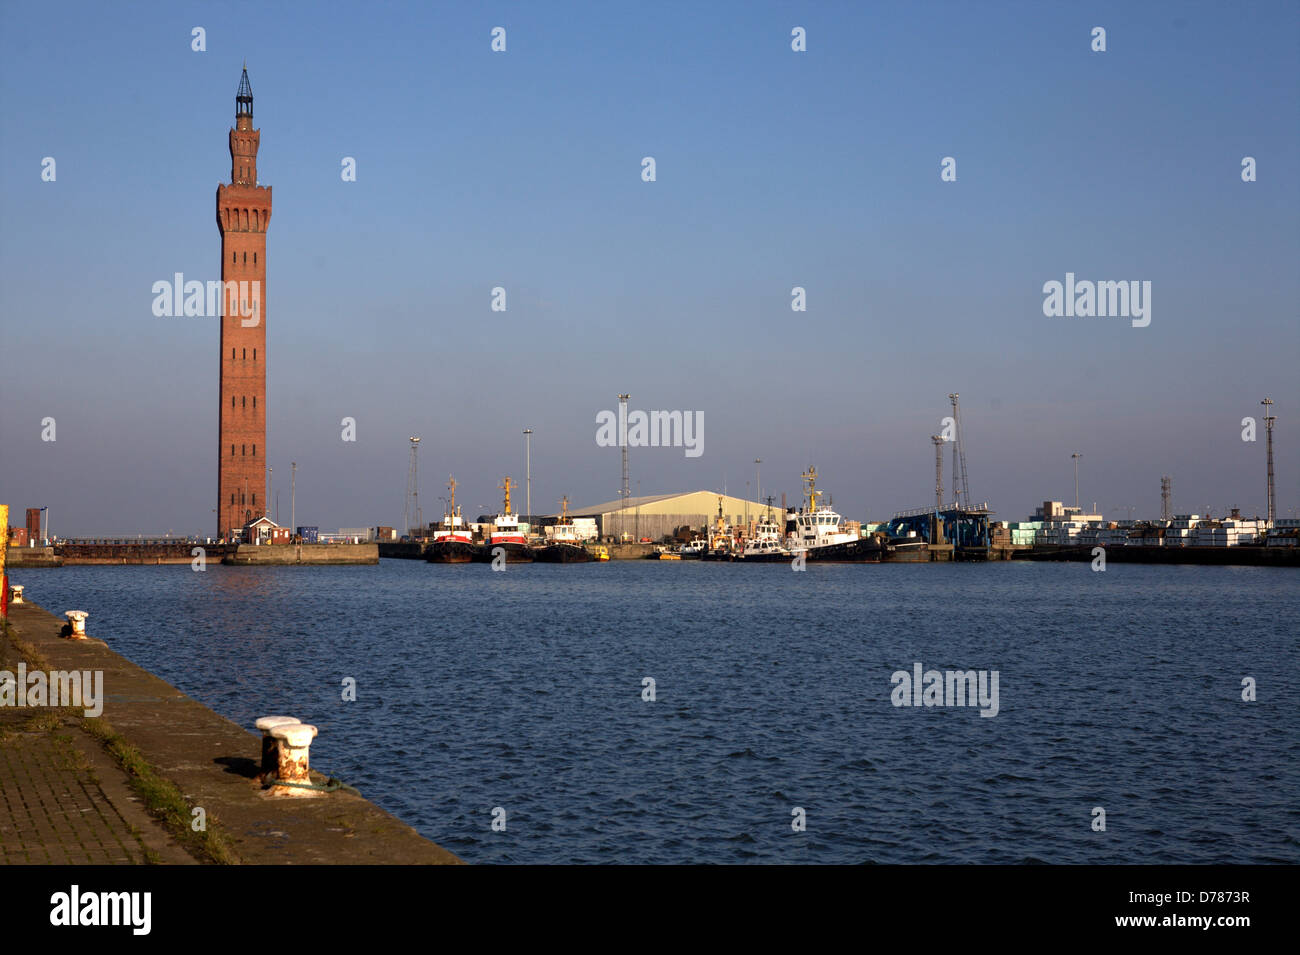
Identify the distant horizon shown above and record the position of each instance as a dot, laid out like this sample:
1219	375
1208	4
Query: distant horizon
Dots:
954	196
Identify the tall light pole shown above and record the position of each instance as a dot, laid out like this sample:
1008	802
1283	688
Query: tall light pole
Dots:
293	498
1268	428
758	480
528	470
1076	457
626	489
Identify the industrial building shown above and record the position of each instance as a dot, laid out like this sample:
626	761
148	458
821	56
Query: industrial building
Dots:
655	515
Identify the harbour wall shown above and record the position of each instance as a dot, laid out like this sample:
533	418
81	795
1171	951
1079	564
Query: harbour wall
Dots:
278	555
33	557
216	763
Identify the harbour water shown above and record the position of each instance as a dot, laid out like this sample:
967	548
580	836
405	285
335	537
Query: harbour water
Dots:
523	690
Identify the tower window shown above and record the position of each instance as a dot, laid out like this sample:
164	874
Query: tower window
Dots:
255	499
254	401
245	352
232	451
245	258
232	401
232	257
243	401
243	450
254	258
254	350
232	354
232	498
254	455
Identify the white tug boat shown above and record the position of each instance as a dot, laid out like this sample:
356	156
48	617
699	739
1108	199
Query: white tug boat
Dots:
817	534
693	550
564	545
453	541
766	544
507	535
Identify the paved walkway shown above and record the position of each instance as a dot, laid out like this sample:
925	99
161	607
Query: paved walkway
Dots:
64	799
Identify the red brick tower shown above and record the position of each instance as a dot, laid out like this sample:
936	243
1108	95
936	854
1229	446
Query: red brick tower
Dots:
243	212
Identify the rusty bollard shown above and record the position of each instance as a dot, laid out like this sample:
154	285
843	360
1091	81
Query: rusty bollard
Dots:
270	745
295	740
15	594
77	620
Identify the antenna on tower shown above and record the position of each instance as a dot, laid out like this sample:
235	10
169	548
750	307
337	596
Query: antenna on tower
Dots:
1166	496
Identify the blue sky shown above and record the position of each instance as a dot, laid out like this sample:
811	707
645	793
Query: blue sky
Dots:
774	169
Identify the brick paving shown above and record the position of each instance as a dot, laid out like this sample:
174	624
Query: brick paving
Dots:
53	813
64	799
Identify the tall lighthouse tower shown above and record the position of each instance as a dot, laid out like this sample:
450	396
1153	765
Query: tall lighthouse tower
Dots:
243	212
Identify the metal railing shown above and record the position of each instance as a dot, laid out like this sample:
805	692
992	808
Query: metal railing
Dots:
947	508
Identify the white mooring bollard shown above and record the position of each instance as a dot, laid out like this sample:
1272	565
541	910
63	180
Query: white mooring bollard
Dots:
295	741
15	594
77	618
270	745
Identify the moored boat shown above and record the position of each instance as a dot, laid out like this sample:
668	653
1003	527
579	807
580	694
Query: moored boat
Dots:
564	547
766	544
909	548
722	543
453	542
506	538
817	535
692	550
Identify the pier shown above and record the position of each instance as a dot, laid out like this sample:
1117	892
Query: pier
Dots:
72	784
164	551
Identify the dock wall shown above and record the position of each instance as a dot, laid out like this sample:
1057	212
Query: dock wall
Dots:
215	763
276	555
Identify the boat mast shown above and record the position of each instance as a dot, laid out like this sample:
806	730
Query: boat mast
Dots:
810	483
506	488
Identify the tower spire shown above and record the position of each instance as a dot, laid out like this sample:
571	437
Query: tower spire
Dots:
244	98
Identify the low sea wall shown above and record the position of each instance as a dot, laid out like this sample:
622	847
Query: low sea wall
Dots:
274	555
216	763
33	557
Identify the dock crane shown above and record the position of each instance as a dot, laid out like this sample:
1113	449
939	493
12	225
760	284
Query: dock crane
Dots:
960	484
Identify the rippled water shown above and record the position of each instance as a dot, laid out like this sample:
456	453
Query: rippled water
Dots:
523	690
